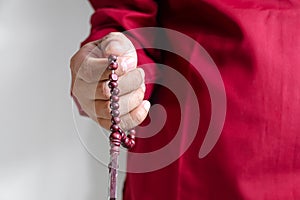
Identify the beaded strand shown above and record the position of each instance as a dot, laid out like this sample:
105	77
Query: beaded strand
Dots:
117	137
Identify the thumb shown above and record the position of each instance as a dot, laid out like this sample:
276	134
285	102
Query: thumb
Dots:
116	43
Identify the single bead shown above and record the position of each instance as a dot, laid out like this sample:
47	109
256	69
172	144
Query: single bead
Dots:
115	113
115	120
114	128
125	141
131	136
112	58
132	132
114	106
115	91
115	135
113	66
114	98
113	77
130	144
112	84
115	138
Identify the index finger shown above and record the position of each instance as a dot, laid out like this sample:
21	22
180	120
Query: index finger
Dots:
93	67
96	69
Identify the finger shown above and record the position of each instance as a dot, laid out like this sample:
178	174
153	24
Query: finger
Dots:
116	43
100	91
88	50
135	117
96	69
90	62
126	104
130	120
131	81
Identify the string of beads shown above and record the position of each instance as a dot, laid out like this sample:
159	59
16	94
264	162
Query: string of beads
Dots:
118	136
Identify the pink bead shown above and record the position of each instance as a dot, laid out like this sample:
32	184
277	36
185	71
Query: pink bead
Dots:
113	66
112	84
130	144
115	120
126	140
132	132
131	136
115	135
114	128
115	138
115	91
112	58
114	98
115	113
114	106
113	77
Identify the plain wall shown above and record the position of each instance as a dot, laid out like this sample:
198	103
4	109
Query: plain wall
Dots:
41	154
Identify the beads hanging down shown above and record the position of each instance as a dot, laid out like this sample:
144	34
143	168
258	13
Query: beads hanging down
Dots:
117	137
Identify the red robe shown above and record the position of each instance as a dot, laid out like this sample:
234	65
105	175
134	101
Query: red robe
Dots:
255	45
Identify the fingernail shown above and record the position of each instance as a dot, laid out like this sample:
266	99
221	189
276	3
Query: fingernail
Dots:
146	105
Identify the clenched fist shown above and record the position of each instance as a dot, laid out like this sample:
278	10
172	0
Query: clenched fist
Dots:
90	81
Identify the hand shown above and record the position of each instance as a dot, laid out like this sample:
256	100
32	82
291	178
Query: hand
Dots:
90	81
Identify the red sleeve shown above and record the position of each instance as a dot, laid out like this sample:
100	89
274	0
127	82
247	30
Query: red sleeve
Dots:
111	16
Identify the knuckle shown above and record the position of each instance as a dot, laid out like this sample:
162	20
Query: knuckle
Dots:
72	62
76	60
77	90
75	57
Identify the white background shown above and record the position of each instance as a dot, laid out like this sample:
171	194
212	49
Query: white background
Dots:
41	156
